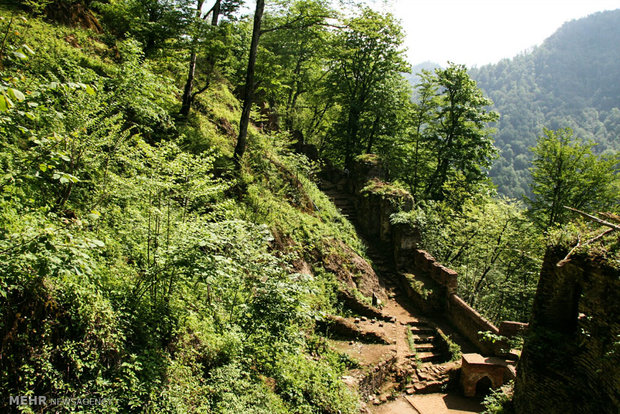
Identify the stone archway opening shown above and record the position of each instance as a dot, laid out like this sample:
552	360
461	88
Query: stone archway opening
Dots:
480	374
484	386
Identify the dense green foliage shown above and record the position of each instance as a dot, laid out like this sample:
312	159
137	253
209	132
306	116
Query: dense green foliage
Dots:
144	261
571	80
493	246
565	172
367	57
131	266
448	146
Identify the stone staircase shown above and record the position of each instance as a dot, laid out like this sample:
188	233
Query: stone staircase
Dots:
344	203
425	343
424	335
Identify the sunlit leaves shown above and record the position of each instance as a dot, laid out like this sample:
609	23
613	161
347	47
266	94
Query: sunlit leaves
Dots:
566	172
366	55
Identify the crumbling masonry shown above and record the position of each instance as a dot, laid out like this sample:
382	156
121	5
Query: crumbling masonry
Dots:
571	358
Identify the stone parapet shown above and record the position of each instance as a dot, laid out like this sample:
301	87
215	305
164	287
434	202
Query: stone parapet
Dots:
431	286
511	329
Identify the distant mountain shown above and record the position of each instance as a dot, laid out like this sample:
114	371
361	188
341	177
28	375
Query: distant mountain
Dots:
571	80
413	77
428	65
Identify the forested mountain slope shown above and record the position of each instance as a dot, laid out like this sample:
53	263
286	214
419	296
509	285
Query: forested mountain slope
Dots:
136	267
164	243
571	80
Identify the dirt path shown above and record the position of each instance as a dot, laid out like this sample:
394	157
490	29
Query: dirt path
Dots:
441	403
408	371
398	406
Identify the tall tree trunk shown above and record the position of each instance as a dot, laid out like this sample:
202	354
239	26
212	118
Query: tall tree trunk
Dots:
216	12
189	85
188	94
248	93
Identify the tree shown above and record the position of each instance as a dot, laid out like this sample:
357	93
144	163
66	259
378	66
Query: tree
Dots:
565	172
151	22
411	158
302	18
293	59
388	113
248	92
458	135
448	147
219	8
493	246
365	55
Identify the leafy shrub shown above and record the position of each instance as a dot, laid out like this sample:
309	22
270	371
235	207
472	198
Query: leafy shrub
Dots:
499	401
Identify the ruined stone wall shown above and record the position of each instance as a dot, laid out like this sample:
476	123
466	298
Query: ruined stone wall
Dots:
469	322
446	278
511	328
571	357
372	381
430	286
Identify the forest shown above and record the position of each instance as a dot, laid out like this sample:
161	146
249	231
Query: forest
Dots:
164	241
568	81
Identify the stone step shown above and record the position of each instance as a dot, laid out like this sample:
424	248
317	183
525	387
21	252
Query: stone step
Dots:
428	356
428	387
421	330
423	339
379	260
424	347
338	195
378	257
381	269
419	323
342	202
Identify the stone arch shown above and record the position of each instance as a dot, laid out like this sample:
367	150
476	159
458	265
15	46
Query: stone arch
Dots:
484	386
475	368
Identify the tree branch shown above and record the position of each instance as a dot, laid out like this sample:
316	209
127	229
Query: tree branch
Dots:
204	17
595	219
201	90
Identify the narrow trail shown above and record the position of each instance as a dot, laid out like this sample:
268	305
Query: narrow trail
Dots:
409	373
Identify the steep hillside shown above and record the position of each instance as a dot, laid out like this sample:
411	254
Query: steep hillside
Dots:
137	267
571	80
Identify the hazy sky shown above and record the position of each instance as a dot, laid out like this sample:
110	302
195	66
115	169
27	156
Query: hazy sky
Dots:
477	32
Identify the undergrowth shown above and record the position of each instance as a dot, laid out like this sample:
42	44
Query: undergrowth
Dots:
134	265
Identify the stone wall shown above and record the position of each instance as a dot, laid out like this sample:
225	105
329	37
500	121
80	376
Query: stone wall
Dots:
511	329
446	278
571	357
469	322
375	378
430	286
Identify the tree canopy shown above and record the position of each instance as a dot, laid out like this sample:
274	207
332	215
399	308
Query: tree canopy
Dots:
566	173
